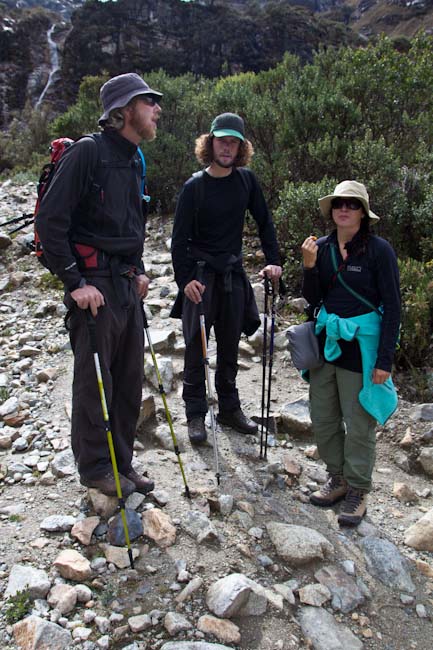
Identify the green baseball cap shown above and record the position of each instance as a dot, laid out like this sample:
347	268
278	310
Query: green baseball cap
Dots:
228	124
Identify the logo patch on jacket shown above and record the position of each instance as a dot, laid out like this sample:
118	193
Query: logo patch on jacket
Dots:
357	269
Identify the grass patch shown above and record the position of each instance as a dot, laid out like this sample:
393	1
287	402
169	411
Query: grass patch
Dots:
50	281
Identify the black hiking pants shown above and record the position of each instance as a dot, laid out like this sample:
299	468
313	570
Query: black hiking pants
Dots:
225	312
120	341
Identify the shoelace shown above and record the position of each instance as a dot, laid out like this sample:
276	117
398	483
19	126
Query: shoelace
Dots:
353	500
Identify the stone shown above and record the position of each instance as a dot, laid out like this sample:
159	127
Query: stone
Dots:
8	407
189	590
312	452
291	467
402	461
72	565
420	534
404	493
298	544
118	555
63	598
230	596
103	505
196	524
346	595
166	371
57	523
46	374
426	460
424	568
158	526
147	410
162	340
5	241
286	592
84	593
139	623
223	630
407	441
23	577
315	595
423	412
83	529
163	437
193	645
324	632
385	562
34	633
175	623
295	417
63	464
116	531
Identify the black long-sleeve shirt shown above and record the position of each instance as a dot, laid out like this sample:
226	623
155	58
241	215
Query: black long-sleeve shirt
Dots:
374	275
94	198
220	221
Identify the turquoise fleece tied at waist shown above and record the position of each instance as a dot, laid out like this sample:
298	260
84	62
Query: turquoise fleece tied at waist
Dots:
380	400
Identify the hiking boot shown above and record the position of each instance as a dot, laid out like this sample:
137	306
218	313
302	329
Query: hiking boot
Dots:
334	490
238	421
197	430
353	508
107	485
142	483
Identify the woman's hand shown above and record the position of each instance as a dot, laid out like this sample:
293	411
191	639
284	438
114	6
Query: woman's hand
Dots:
380	376
309	252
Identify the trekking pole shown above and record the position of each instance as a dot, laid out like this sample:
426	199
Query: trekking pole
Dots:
264	358
164	399
17	219
271	359
210	397
91	324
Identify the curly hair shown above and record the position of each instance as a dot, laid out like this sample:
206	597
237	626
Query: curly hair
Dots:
204	153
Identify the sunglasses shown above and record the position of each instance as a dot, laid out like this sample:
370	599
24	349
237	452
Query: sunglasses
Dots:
150	100
351	204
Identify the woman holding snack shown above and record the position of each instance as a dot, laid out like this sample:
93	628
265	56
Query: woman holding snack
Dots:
353	276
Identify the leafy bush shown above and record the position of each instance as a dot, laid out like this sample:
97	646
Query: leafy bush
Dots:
416	339
18	606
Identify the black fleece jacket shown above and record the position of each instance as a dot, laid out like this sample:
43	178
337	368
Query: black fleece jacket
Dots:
94	199
373	274
220	222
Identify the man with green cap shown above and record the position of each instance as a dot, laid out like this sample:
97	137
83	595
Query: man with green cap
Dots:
208	228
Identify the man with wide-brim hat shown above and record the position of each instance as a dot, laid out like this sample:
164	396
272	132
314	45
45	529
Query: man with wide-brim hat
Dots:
92	225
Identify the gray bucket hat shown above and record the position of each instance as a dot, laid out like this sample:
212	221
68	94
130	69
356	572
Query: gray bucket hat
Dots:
348	190
118	91
228	124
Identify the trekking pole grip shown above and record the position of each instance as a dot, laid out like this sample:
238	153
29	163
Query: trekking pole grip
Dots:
145	323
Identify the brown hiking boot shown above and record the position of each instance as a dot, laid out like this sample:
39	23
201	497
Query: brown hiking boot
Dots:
142	483
238	421
334	490
107	485
353	508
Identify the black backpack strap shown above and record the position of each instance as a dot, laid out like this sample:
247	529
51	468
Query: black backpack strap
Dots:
354	293
198	200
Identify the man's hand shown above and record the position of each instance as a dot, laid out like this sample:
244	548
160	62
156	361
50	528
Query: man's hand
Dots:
88	297
272	272
380	376
142	285
309	252
194	291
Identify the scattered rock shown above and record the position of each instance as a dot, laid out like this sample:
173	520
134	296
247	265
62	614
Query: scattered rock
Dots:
158	526
385	562
223	630
420	535
298	544
72	565
34	633
325	633
24	577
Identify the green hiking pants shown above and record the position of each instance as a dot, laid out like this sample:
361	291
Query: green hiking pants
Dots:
344	431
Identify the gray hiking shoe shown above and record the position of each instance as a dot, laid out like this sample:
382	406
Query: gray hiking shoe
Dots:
354	507
334	490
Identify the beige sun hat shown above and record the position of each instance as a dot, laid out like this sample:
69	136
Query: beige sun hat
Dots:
348	190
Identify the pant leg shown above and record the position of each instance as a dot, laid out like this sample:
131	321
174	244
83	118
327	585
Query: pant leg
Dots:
326	417
88	432
360	441
228	328
127	370
194	386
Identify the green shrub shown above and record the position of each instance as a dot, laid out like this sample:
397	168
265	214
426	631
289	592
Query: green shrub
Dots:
18	606
416	337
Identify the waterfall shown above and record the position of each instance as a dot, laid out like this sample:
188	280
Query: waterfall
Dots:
54	57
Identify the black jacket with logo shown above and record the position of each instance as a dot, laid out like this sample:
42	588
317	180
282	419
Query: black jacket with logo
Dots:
93	199
374	275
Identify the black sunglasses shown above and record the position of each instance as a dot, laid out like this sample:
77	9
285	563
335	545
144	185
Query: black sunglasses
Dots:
351	204
150	100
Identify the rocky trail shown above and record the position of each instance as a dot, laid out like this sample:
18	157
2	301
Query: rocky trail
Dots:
249	564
